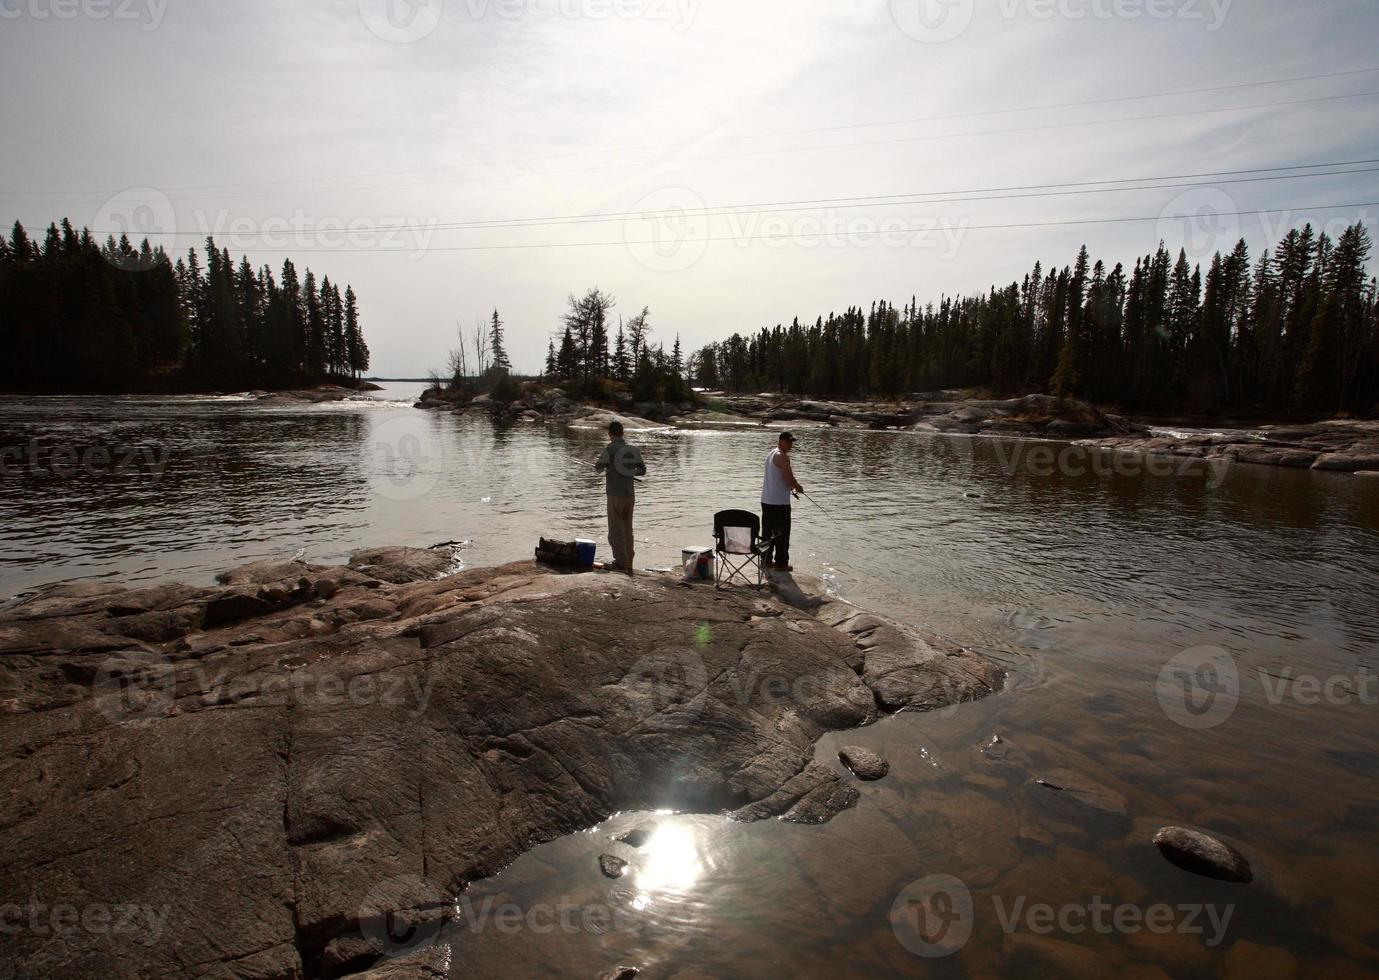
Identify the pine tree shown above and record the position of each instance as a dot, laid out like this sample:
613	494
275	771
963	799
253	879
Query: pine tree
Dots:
567	361
495	343
622	364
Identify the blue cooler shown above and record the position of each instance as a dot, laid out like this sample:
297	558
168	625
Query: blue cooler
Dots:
586	550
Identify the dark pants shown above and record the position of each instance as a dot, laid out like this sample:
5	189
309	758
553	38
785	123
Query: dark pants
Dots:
775	521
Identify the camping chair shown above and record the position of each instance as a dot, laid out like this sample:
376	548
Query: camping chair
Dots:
738	547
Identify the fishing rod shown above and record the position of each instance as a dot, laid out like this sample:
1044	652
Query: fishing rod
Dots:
822	508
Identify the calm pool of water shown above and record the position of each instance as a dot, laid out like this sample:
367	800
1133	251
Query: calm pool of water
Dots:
1084	585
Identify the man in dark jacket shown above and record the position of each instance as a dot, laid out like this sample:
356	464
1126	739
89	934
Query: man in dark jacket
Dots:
622	464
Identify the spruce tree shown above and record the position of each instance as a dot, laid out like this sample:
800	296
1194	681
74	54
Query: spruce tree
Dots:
495	343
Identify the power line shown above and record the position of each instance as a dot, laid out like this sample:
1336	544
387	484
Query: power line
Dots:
1039	107
792	236
10	195
895	200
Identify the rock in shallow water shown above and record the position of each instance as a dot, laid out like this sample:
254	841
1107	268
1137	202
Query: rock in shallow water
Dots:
865	764
1203	854
1084	794
612	867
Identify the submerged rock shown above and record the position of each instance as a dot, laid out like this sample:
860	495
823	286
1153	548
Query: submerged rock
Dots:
1203	854
634	838
1084	793
611	866
271	788
865	764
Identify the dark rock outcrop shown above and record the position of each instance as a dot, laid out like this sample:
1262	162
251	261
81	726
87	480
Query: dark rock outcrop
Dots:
262	796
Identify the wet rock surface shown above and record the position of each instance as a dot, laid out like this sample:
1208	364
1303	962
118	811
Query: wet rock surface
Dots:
1342	446
266	790
612	867
1203	854
940	411
536	403
864	764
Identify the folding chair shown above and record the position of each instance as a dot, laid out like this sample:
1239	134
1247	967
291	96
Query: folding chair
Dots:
738	547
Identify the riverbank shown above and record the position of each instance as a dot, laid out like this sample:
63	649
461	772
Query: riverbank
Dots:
272	770
1340	445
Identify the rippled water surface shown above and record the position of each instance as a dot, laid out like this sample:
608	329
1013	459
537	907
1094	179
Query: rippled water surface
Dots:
1082	586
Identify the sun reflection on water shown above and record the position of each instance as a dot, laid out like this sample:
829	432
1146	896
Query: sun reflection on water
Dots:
671	864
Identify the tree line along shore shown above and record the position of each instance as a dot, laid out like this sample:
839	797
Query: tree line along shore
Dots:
1294	333
79	315
1291	335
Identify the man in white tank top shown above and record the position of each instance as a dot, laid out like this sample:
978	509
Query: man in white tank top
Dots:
776	487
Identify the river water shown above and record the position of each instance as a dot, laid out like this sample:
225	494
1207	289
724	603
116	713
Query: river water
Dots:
1100	585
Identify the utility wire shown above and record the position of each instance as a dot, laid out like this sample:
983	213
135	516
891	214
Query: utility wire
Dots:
790	236
833	203
728	156
1038	107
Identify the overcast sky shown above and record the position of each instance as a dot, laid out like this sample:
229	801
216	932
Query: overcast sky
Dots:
311	129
